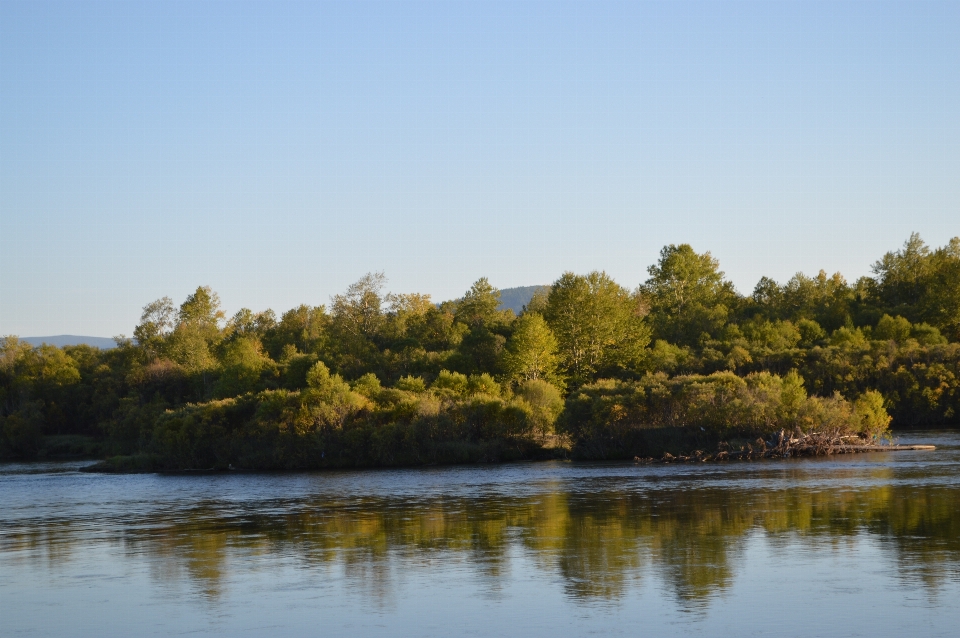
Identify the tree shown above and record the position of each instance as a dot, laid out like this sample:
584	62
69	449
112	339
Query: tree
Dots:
156	322
304	328
481	347
687	295
329	398
241	366
201	311
902	277
479	305
768	295
356	324
197	331
480	350
824	299
545	403
246	323
407	317
189	347
921	285
359	310
892	329
531	352
598	325
941	305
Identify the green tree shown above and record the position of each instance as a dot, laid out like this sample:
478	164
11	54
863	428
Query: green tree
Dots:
687	295
598	325
545	401
480	350
825	299
329	398
356	324
478	308
941	304
37	390
902	277
201	311
451	384
156	321
189	348
921	285
810	332
869	408
892	329
359	311
305	328
531	352
248	323
197	332
407	317
242	365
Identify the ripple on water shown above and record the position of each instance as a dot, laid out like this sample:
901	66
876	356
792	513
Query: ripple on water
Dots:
536	548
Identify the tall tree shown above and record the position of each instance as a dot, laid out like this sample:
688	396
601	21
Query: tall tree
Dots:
687	295
201	310
481	349
825	299
479	305
407	317
156	321
941	306
921	285
598	324
902	277
356	324
359	311
246	323
197	331
303	328
531	352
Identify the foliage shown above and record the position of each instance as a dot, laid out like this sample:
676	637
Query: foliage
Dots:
386	378
531	353
687	295
609	418
598	325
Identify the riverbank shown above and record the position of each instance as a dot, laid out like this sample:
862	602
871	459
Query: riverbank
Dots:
553	448
786	447
64	447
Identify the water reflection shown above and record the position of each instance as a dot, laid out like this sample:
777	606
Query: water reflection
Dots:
600	529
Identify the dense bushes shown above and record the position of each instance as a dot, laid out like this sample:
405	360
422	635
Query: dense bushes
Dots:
613	418
459	418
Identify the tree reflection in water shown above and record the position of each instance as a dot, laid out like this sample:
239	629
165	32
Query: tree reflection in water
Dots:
601	538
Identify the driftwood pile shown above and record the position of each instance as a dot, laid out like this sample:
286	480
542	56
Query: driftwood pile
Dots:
784	446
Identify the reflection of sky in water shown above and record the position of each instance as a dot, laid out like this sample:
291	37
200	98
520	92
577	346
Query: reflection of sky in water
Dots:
867	544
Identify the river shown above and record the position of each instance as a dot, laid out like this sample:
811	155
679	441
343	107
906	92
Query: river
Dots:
858	545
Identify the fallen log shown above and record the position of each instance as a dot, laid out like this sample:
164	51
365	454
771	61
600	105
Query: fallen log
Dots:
888	448
786	446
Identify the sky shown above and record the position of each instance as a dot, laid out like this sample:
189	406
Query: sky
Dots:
279	151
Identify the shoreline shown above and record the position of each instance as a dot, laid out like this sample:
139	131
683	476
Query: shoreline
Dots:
796	448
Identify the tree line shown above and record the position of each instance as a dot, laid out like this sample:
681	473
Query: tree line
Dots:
385	378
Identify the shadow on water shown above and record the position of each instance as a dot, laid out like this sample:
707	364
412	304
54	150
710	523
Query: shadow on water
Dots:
600	529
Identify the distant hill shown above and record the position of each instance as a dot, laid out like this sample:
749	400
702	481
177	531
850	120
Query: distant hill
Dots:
104	343
517	298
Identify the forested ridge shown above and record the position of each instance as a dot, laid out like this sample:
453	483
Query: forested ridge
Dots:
606	371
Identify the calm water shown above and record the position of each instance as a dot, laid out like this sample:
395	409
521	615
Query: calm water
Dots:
864	545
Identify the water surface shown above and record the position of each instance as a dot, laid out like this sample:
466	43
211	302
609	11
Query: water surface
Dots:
845	546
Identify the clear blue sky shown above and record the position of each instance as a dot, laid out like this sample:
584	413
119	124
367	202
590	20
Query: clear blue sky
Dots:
277	152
